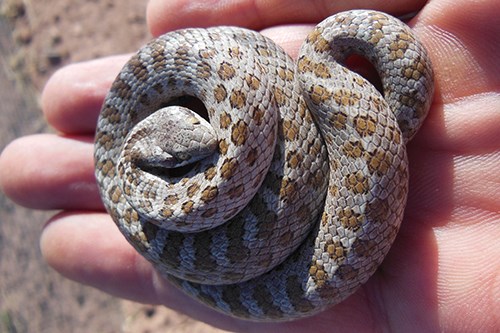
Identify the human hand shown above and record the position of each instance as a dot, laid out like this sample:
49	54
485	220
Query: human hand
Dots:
440	274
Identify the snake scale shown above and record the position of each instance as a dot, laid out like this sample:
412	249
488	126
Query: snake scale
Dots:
283	193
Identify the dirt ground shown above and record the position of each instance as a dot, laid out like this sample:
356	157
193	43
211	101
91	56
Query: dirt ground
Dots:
36	38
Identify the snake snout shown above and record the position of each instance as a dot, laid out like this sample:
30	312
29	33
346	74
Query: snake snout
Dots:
175	136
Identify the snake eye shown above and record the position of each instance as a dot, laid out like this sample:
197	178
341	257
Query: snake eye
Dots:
183	156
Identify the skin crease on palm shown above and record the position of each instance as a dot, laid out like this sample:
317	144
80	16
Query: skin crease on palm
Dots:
443	272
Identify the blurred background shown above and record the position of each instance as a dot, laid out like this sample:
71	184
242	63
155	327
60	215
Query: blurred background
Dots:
36	38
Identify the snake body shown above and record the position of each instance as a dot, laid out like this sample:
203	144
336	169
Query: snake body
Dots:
290	196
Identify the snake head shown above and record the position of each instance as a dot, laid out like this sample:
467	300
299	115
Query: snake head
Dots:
170	138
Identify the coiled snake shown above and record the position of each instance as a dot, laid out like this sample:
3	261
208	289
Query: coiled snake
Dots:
290	197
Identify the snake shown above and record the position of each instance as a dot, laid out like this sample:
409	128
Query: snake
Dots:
265	187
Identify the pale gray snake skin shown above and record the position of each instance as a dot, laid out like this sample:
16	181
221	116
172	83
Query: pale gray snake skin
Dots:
290	196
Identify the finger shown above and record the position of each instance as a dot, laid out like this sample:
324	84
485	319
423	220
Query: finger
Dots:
88	248
448	183
463	52
164	16
290	38
466	126
50	172
84	85
466	75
